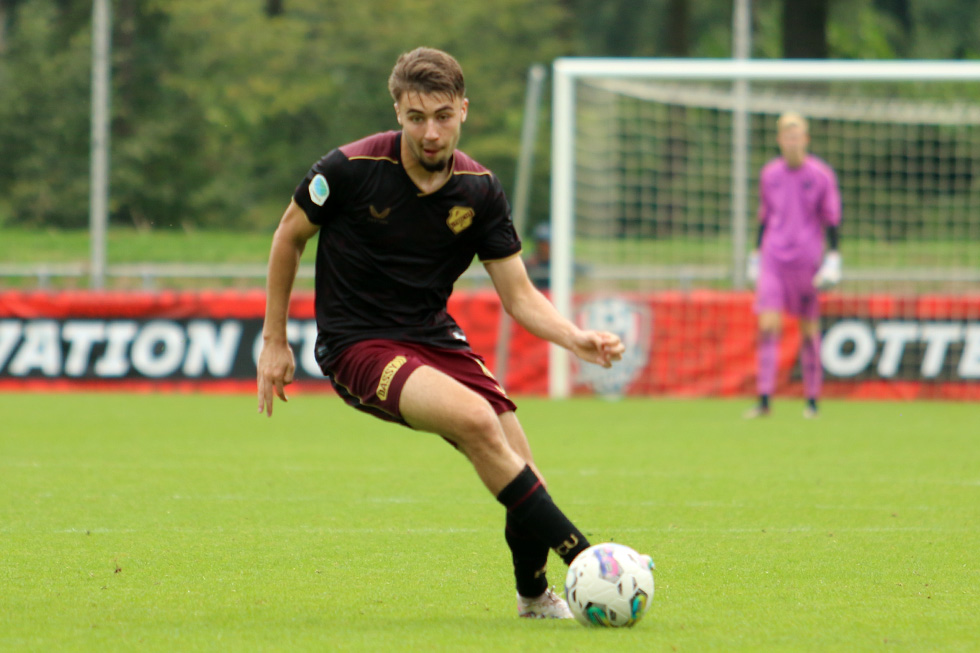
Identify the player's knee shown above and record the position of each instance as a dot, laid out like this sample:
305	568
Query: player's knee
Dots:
478	430
480	422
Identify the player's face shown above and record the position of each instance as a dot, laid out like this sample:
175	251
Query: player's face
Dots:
431	125
793	141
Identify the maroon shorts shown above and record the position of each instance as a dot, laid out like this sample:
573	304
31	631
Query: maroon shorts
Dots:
369	375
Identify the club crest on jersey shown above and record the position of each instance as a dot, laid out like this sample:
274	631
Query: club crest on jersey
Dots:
460	217
319	190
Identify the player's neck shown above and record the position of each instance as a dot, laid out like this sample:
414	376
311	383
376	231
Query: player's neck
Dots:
794	163
428	181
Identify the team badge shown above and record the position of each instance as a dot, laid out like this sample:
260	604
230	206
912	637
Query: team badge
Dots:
460	217
319	190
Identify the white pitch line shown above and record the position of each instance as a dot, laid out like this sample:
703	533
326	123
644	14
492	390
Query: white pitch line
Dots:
328	530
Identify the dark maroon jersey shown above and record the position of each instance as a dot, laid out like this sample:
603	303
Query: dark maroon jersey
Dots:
388	254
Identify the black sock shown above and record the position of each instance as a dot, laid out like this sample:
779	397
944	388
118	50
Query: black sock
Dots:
812	403
530	560
764	402
531	508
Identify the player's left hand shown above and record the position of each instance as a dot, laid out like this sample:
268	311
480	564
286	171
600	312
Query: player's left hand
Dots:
599	347
829	274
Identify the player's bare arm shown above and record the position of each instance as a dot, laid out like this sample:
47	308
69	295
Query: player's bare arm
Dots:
534	312
276	366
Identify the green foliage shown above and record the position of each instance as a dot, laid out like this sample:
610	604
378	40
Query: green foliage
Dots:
219	109
946	29
44	120
861	32
189	523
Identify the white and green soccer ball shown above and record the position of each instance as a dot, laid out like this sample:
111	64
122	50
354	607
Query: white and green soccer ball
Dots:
609	585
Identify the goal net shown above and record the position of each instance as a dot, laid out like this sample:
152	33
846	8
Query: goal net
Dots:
655	173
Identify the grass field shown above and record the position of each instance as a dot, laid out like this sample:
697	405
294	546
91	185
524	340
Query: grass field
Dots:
19	246
189	523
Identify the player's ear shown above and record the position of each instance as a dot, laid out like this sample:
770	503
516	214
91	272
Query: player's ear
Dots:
398	114
463	108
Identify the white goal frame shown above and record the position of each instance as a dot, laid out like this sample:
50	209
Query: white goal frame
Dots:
740	72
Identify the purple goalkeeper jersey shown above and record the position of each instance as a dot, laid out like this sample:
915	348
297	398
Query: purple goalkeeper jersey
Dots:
796	205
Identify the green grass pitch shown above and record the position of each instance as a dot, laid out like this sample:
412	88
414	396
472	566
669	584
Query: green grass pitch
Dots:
190	523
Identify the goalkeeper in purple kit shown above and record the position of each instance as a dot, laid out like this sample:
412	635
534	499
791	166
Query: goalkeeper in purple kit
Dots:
799	203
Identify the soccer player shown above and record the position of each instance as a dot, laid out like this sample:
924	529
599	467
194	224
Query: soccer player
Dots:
798	201
400	216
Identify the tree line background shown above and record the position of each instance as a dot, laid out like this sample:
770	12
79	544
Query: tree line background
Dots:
220	106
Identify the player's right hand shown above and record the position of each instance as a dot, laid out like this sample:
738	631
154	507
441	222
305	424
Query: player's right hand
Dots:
752	267
276	369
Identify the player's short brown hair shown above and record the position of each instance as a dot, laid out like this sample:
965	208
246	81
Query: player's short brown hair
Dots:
428	71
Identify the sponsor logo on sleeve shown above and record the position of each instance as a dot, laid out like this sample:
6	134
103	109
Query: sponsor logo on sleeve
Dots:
319	190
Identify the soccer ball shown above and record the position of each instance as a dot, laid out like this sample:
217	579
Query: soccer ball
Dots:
609	585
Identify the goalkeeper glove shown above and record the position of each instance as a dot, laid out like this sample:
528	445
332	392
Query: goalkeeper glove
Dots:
752	267
829	273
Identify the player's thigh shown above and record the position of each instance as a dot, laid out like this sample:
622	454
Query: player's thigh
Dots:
770	301
433	401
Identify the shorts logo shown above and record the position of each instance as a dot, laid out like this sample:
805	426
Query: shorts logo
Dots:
388	374
460	217
319	190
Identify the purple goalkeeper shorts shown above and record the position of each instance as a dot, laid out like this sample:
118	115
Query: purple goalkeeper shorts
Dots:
369	375
787	289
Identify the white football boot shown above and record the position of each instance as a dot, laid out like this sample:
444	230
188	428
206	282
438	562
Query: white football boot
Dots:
547	606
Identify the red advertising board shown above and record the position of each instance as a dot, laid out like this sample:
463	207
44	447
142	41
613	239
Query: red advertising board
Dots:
699	343
703	343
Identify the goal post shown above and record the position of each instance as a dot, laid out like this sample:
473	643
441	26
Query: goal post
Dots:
605	189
